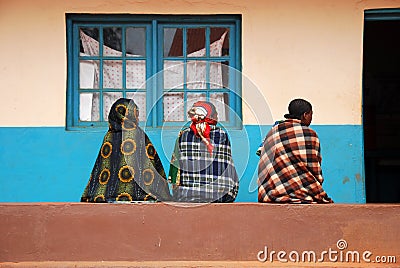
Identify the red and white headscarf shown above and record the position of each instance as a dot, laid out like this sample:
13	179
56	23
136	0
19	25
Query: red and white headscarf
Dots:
203	114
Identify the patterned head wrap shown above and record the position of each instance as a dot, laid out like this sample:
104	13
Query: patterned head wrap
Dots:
203	114
123	114
127	167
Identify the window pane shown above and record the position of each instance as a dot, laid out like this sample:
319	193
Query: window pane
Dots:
89	44
173	74
219	42
140	99
112	41
112	74
173	106
226	70
88	74
219	75
108	100
196	42
173	42
88	107
221	102
112	63
135	74
196	74
135	41
192	98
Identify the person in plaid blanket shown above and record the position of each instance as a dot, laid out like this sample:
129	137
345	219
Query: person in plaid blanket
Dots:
202	168
289	169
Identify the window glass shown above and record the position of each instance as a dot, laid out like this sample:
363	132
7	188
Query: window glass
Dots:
191	60
173	74
135	41
173	42
89	44
135	74
174	107
112	41
219	42
196	42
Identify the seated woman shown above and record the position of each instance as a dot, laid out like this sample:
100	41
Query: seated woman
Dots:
127	167
289	170
202	168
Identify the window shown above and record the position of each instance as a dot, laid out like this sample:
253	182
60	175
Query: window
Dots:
164	63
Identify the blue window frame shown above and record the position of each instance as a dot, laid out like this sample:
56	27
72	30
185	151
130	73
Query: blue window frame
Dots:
164	63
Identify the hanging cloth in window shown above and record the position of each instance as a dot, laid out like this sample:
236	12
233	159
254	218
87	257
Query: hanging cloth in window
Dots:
136	76
195	79
112	75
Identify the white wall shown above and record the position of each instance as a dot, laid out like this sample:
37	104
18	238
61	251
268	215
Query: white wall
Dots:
291	48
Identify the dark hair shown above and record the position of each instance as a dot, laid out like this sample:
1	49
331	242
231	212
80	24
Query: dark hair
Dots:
297	108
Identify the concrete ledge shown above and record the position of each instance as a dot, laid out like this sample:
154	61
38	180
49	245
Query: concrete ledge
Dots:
165	233
186	264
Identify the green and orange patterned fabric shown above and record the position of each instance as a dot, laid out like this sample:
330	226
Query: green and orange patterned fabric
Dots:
127	167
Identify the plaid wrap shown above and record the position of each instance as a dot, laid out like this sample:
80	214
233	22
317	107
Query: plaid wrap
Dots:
199	176
289	170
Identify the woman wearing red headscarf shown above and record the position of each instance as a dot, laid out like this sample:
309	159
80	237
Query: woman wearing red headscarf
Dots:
202	168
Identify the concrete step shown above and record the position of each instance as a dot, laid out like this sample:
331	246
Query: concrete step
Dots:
207	235
184	264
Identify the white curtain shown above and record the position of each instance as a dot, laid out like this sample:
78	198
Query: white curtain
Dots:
136	77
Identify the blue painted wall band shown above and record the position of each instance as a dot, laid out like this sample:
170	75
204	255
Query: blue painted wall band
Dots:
50	164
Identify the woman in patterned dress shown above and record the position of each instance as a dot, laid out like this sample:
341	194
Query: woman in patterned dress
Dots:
127	167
